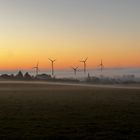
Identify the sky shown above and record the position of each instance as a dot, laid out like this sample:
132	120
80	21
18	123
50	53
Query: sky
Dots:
69	31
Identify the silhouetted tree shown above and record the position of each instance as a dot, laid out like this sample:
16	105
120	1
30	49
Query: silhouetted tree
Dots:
19	75
27	76
12	76
5	76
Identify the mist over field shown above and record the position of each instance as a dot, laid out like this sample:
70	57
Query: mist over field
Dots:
68	73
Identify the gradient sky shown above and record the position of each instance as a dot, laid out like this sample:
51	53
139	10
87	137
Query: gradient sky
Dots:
69	30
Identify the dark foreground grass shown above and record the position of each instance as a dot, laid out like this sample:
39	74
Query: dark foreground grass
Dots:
37	111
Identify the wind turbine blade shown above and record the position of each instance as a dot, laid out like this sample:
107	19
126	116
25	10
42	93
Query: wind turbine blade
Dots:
72	67
49	59
86	59
81	60
76	67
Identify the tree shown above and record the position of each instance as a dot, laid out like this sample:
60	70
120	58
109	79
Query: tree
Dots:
19	75
27	76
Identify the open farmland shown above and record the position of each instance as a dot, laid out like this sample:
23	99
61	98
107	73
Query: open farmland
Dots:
40	110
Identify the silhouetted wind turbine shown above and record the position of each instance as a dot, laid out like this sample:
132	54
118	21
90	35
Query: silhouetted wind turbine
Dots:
75	69
101	65
84	61
36	68
52	61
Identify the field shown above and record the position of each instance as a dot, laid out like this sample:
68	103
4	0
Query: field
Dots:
45	111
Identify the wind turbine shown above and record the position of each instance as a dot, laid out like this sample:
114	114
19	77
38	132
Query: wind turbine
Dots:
101	65
36	68
52	61
75	70
84	61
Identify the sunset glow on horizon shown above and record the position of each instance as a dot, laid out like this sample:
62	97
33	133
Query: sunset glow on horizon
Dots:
69	31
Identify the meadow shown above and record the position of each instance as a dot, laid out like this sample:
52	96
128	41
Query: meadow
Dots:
44	111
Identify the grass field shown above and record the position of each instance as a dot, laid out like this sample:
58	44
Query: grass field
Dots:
41	111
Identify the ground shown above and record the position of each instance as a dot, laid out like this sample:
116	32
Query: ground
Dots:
47	111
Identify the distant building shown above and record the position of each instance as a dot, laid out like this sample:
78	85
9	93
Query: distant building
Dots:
44	77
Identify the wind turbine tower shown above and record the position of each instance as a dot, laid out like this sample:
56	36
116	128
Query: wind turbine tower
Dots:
75	70
52	61
36	68
101	65
84	62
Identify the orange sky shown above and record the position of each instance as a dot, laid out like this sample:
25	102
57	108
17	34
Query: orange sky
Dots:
24	54
69	31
